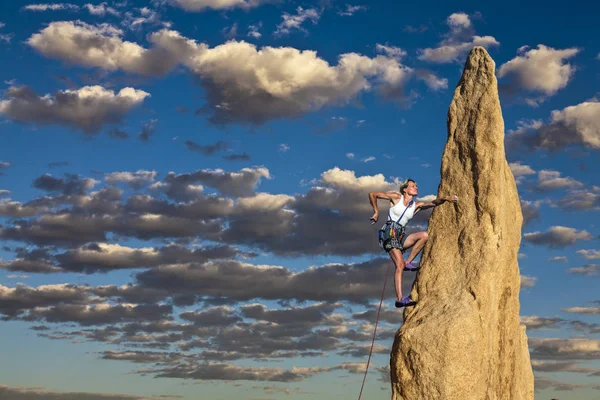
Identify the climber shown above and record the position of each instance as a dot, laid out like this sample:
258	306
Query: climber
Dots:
392	238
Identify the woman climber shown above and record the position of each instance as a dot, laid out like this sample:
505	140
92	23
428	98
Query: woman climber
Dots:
392	237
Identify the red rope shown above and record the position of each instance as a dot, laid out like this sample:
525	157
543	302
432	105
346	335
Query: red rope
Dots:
375	331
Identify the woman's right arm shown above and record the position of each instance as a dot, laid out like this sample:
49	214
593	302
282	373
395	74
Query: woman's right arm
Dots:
373	196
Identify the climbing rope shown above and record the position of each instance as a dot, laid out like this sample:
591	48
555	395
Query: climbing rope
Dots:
375	331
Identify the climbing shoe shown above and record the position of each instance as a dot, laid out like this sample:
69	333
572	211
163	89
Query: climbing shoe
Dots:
405	302
411	267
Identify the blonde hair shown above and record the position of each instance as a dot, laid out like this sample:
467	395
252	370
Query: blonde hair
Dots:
405	185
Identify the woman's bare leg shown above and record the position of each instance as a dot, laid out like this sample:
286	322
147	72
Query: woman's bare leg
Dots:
398	260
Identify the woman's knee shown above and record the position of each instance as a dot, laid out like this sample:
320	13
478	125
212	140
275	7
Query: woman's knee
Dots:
397	258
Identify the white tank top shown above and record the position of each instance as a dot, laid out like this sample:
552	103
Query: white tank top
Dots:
396	211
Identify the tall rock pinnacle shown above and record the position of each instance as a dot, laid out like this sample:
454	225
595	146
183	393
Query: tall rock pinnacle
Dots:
463	339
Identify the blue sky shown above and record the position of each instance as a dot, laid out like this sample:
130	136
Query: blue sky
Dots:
183	188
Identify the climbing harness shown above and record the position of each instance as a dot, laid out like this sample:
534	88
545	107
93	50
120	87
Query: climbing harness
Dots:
392	234
375	331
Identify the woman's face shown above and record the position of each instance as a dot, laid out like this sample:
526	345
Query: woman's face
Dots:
412	189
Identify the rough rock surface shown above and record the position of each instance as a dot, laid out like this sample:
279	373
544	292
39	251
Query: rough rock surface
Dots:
463	340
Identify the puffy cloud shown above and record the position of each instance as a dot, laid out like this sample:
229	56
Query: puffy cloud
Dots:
460	40
243	83
350	10
98	314
144	16
563	366
589	254
312	315
17	209
253	30
240	183
432	81
72	185
202	5
564	349
136	179
88	108
551	180
20	393
588	270
284	82
528	281
519	169
243	281
51	7
141	356
14	301
543	69
294	22
219	371
327	219
71	229
558	259
580	200
216	316
542	383
101	46
534	322
557	236
573	125
101	9
103	257
584	310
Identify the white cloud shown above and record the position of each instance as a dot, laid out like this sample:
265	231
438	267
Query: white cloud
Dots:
528	281
101	46
519	169
367	159
136	179
391	51
253	30
457	42
350	156
202	5
101	10
543	69
558	259
88	108
283	148
590	254
261	202
573	125
551	180
242	82
350	10
51	7
535	322
459	21
432	80
583	310
559	236
5	37
294	22
346	179
588	270
144	16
